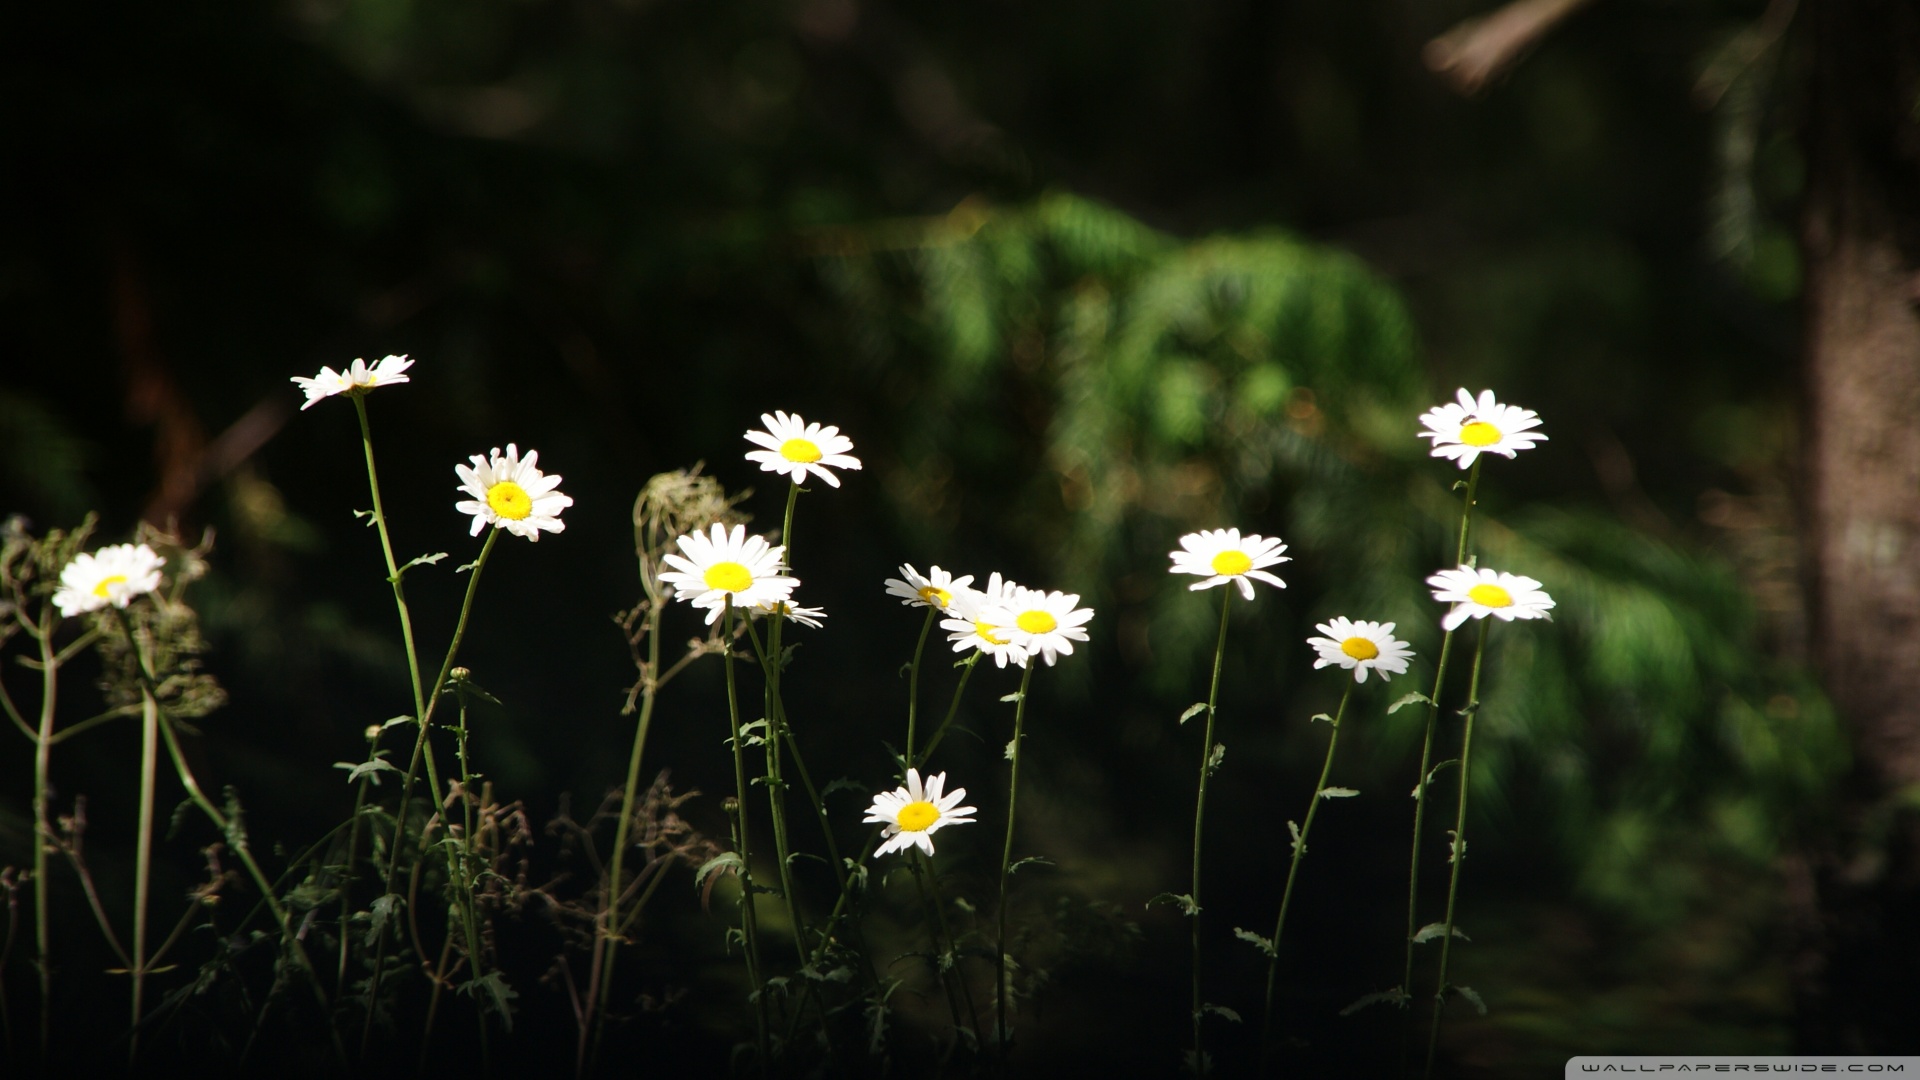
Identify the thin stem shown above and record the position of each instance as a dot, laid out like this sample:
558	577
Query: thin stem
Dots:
1199	818
1459	855
749	924
953	710
466	864
913	680
1426	751
43	828
1293	871
143	861
92	722
916	863
953	947
1006	860
346	886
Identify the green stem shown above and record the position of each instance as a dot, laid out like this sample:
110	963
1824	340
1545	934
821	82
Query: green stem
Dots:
953	710
953	946
915	863
346	885
1293	871
466	865
1459	855
913	680
1006	860
43	826
1426	750
749	924
143	861
1199	818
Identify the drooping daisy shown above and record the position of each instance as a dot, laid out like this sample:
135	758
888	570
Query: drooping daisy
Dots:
795	448
1047	623
716	565
935	590
983	620
355	377
805	616
1360	647
1222	555
510	493
912	814
1477	594
113	575
1470	428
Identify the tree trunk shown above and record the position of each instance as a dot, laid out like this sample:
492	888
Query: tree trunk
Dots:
1857	971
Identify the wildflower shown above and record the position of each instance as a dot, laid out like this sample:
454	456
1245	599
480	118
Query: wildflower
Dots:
357	377
1047	623
936	590
1222	555
984	621
1477	594
510	493
113	575
1359	647
1470	428
805	616
912	814
717	565
796	448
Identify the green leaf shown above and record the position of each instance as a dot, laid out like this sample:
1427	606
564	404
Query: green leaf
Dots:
1408	700
1338	792
1395	996
371	769
383	910
1435	772
1193	710
1011	743
842	784
366	515
1221	1011
1035	860
464	567
1264	944
1473	997
424	560
1214	759
1183	901
396	722
1015	696
1299	846
1321	716
1433	930
493	993
837	975
728	861
1459	847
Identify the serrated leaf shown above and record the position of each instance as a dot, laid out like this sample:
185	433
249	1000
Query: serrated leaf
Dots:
1011	743
1181	900
1264	944
494	994
1035	860
1214	759
1433	773
1395	996
1458	847
1473	998
371	768
1193	710
424	560
837	975
466	566
1338	792
842	784
728	861
382	911
1221	1011
1433	930
1299	847
1408	700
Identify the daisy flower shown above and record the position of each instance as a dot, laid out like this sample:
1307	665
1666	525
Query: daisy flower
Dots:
1222	555
796	448
714	566
935	590
1470	428
113	575
356	377
1047	623
805	616
510	493
984	621
1477	594
912	814
1360	647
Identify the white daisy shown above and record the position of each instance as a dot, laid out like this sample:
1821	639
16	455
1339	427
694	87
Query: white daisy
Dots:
113	575
1222	555
983	620
935	590
510	493
1477	594
796	448
805	616
912	814
1047	623
714	566
355	377
1470	428
1360	646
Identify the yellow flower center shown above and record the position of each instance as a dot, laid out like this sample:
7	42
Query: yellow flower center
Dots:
1490	596
986	630
1035	622
1360	648
1232	563
728	576
936	596
801	450
917	816
1479	433
509	500
108	582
